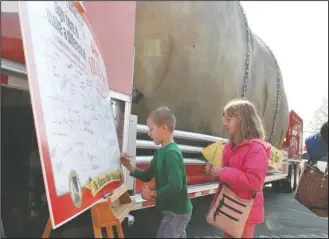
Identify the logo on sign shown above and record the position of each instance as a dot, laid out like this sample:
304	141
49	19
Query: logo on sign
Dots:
294	141
75	189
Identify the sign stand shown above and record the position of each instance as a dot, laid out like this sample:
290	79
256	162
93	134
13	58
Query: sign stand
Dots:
109	212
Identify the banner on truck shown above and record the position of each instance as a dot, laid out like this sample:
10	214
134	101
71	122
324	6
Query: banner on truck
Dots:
73	116
276	157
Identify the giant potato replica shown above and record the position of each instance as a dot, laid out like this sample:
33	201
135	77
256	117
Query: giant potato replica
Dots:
195	56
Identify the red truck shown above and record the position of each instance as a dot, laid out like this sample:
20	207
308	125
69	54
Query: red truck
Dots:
22	187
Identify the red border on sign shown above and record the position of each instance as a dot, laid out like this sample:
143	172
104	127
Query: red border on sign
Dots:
61	208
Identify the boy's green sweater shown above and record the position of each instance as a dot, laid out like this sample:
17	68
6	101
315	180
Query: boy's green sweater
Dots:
168	168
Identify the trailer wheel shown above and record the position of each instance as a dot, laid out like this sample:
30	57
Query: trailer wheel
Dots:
297	176
289	184
3	235
276	186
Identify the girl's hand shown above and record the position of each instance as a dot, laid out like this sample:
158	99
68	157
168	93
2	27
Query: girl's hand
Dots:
215	171
207	168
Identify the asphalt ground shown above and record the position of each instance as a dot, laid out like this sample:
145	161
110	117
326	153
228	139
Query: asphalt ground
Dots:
285	218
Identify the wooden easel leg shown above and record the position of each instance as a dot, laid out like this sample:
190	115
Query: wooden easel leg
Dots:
48	229
120	233
109	232
119	230
105	216
97	231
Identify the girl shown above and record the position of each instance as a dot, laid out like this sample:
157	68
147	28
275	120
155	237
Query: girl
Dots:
247	155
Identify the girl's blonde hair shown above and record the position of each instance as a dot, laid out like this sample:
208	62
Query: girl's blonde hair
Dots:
250	125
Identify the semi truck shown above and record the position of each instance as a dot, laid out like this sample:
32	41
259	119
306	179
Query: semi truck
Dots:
190	56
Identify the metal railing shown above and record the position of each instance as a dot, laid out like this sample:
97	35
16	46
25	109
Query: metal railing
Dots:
184	135
13	68
187	136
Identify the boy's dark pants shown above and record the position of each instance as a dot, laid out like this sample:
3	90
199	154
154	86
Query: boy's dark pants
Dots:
173	225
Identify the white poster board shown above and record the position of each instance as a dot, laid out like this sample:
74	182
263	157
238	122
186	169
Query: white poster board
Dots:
76	133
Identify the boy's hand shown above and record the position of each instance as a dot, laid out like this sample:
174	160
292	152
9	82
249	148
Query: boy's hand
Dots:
146	194
154	194
124	158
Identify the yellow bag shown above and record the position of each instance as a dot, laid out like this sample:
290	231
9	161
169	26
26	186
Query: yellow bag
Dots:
213	153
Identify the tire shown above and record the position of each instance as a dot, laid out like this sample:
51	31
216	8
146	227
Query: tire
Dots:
3	235
289	184
276	186
297	176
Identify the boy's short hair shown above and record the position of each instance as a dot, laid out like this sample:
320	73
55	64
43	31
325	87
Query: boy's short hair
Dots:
163	116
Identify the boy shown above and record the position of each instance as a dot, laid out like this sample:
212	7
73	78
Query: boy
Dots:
168	169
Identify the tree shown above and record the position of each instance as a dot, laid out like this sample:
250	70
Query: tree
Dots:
320	115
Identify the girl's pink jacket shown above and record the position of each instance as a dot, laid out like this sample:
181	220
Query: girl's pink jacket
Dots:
246	172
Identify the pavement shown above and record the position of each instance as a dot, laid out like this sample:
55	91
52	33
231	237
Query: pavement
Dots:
284	218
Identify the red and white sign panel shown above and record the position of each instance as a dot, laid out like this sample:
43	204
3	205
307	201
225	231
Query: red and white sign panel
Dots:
77	138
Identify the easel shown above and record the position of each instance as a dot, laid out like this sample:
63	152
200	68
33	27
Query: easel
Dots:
106	214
